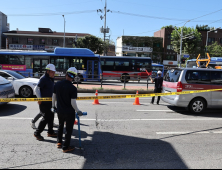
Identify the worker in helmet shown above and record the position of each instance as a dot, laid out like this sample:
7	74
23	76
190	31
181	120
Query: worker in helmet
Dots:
44	89
158	85
66	94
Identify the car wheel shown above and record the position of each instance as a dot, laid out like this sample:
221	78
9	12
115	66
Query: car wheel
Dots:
197	105
25	92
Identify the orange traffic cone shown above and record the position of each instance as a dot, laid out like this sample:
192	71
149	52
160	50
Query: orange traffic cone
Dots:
76	122
96	101
137	102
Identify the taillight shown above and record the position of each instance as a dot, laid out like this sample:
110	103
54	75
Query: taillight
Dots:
179	87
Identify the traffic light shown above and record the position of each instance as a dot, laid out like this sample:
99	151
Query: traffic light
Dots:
183	60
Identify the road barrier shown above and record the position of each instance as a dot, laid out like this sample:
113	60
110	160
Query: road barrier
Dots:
108	97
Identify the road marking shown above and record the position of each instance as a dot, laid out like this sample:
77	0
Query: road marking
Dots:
159	110
182	133
122	120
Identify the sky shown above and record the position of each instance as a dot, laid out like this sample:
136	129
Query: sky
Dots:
126	17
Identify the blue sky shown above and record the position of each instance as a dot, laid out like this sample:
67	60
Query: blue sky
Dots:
133	17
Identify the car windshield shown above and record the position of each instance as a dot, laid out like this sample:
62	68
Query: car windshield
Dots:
172	75
16	75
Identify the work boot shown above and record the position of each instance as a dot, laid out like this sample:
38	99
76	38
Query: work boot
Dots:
39	137
52	135
59	145
69	149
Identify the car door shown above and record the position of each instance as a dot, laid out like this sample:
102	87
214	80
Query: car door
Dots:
216	81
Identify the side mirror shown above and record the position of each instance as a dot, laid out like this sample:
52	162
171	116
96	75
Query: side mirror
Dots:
10	78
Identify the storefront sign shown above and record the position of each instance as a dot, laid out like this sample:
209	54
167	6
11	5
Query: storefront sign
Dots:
38	47
138	49
168	62
20	47
13	67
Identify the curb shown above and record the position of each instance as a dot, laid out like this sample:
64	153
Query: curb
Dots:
115	91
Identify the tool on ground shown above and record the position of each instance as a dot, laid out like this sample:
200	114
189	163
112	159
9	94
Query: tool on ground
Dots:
84	114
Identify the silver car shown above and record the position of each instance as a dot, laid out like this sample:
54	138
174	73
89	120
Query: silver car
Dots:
6	89
191	79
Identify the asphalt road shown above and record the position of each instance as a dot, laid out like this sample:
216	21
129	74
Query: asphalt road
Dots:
116	134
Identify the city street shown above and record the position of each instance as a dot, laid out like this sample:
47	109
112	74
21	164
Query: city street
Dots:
115	134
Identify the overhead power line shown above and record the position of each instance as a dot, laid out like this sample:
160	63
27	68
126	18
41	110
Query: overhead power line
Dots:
51	14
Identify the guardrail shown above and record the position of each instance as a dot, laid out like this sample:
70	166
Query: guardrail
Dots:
99	78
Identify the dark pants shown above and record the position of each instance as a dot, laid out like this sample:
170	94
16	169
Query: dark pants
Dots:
37	117
48	118
157	90
69	119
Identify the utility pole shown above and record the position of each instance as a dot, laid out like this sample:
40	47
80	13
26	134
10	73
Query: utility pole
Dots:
104	29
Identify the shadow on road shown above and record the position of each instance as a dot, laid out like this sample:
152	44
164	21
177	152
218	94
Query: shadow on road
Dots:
11	109
212	113
113	151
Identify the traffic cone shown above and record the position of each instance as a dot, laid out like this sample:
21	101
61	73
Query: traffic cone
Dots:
76	122
137	102
96	101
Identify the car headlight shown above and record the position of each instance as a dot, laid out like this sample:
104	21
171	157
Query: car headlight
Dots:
34	84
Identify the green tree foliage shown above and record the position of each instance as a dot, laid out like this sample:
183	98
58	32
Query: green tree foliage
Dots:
168	26
189	46
215	50
93	43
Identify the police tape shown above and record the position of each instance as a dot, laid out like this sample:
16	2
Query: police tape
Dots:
109	97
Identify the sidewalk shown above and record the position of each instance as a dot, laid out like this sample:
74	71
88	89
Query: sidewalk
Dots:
116	88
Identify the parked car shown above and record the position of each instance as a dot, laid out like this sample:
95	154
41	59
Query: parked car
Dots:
6	89
191	79
23	86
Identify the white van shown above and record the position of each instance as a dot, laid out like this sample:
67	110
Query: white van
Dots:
6	89
191	79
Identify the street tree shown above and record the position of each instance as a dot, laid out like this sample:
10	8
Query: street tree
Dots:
190	45
93	43
215	50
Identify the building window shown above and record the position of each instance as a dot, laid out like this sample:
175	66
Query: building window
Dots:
221	40
30	41
55	42
169	47
15	40
169	36
42	41
70	41
211	40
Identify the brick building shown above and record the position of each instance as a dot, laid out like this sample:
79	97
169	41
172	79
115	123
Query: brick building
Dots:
3	28
43	39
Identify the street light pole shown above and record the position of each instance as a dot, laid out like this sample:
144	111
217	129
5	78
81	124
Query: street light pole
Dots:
64	40
181	41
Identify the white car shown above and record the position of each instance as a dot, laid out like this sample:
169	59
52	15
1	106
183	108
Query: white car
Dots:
23	86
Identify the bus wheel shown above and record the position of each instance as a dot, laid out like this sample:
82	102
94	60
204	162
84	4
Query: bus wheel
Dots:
78	79
123	78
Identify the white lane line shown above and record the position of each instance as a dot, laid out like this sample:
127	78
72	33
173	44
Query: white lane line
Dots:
181	133
122	120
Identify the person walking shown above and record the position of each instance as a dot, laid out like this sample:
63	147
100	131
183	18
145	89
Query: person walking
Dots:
66	94
158	85
45	89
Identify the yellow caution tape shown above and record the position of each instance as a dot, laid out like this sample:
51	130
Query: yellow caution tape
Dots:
108	97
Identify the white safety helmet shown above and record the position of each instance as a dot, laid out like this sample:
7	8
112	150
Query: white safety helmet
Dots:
72	71
159	72
50	67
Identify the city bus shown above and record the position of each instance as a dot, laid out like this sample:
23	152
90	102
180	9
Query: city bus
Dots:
131	68
156	68
215	61
33	63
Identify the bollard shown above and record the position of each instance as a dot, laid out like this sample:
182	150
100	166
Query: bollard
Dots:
101	81
84	114
147	83
124	81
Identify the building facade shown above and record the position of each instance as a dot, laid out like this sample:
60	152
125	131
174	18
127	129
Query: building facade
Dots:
140	47
169	55
43	39
3	28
